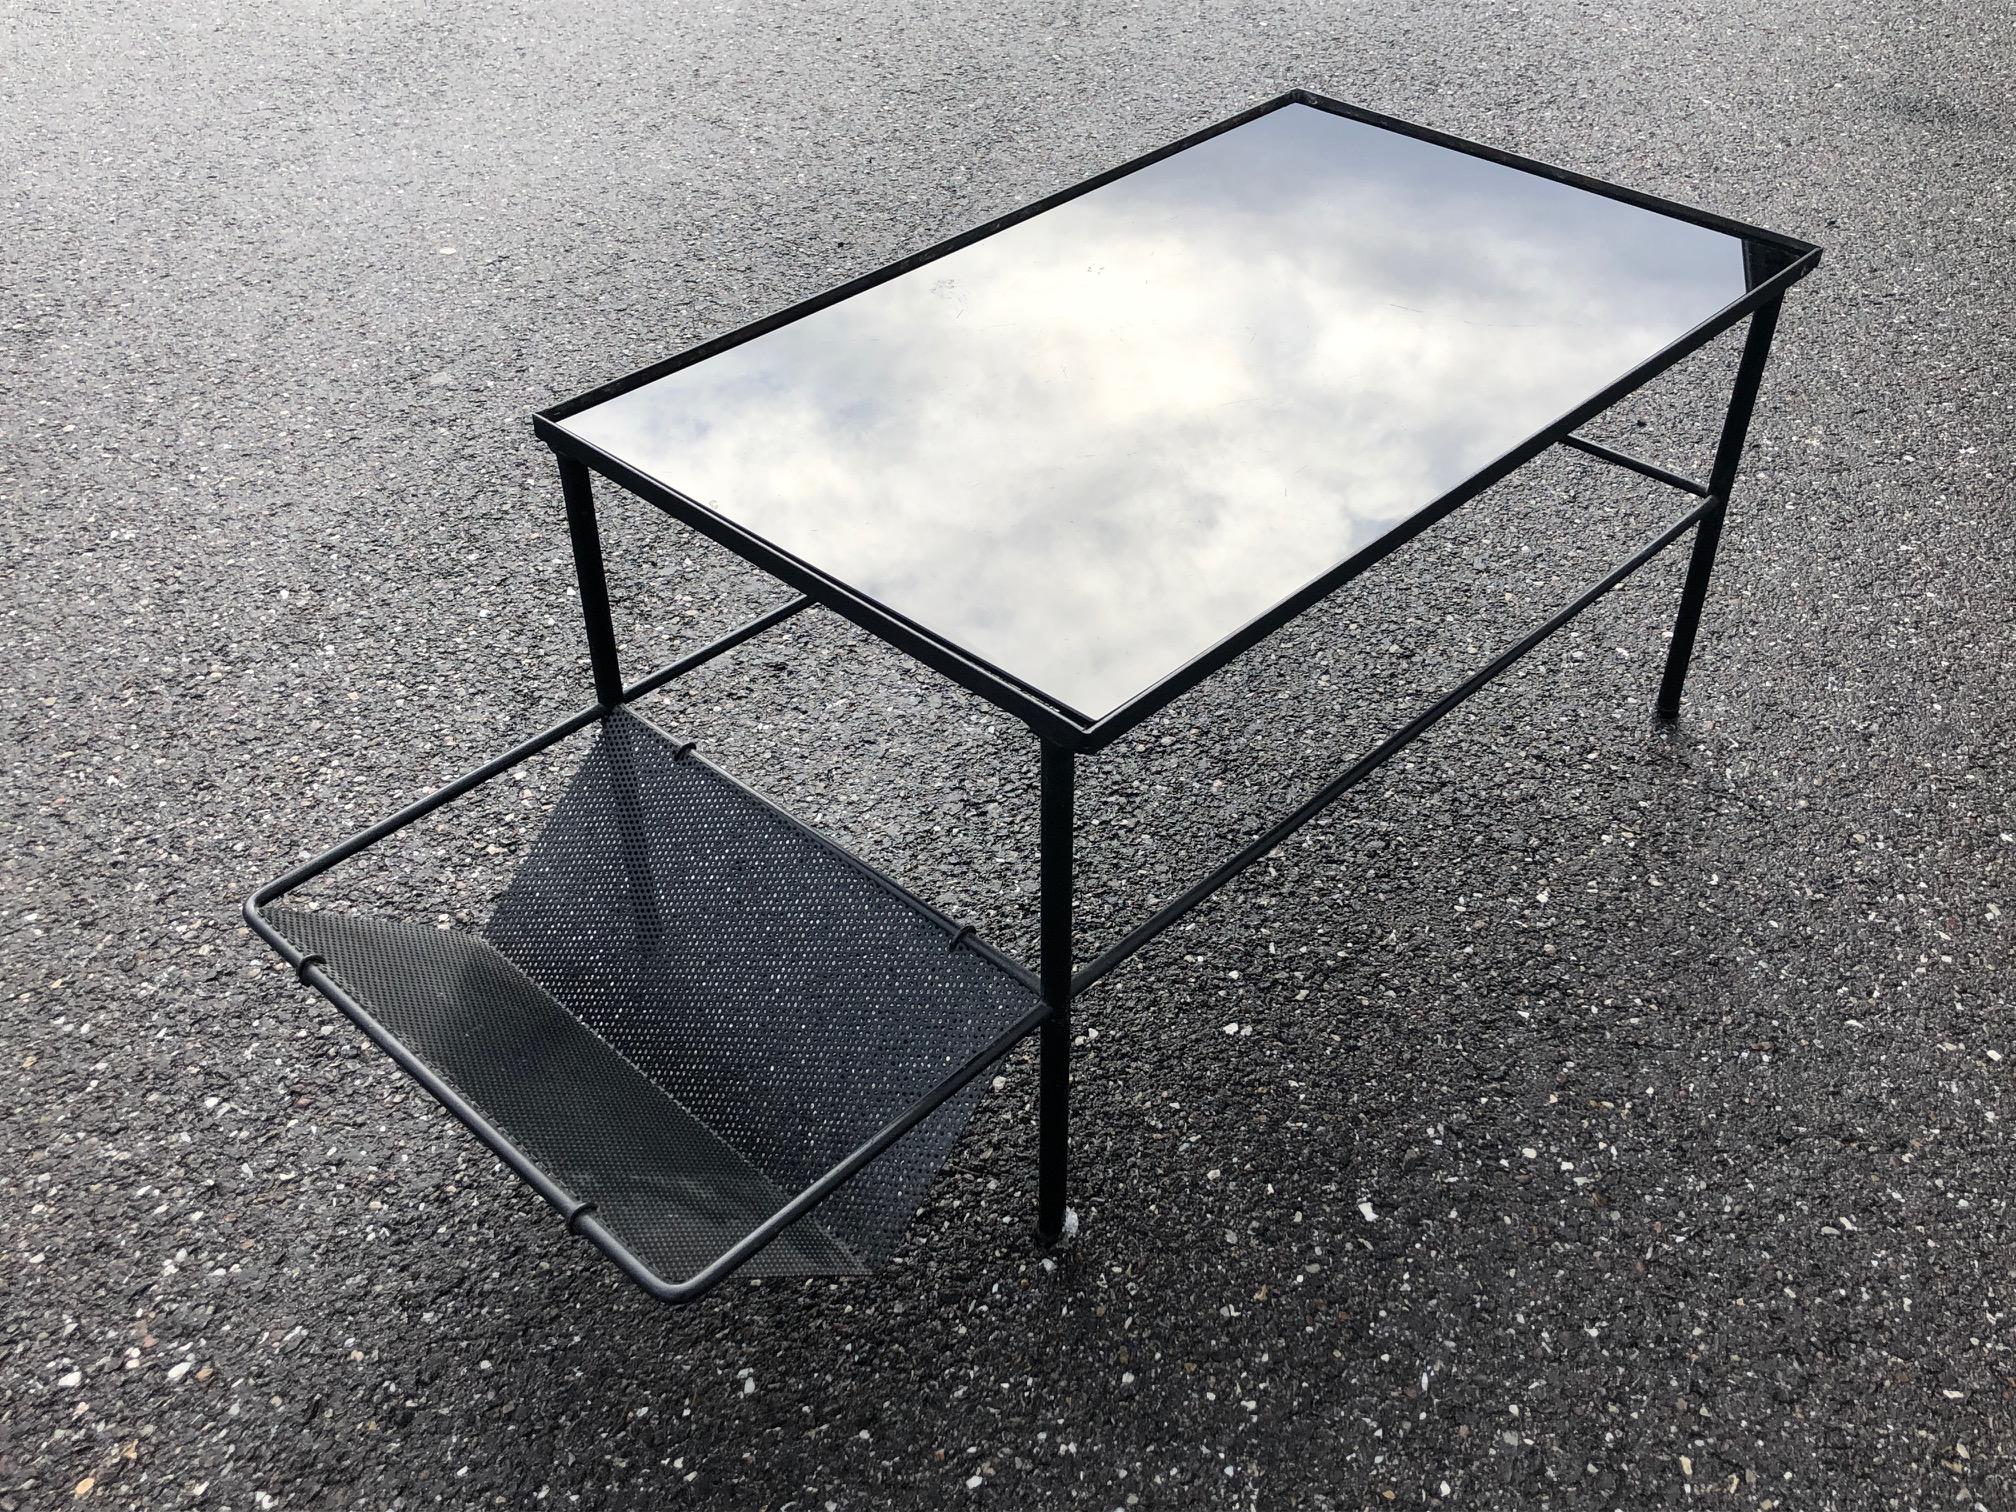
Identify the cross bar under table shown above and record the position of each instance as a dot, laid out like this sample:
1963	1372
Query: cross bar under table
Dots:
1063	982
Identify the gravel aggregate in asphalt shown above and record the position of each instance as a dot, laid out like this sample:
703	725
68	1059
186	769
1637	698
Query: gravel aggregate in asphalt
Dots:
1579	1116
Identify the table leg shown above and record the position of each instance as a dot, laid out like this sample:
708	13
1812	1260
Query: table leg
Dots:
1053	1097
1708	534
587	543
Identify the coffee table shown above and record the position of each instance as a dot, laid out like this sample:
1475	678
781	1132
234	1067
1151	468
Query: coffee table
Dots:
1077	460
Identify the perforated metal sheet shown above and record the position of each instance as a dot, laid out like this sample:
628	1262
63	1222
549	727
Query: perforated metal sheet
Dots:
659	1178
686	1008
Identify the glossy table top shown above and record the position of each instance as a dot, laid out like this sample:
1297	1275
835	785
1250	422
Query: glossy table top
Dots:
1087	448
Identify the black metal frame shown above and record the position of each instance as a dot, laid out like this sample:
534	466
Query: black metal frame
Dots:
1063	733
579	1215
1049	718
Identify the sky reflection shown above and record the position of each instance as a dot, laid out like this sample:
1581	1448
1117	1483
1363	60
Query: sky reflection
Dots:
1091	446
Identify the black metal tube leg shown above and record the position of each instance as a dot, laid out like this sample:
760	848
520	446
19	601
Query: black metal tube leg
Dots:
1708	534
1053	1105
587	542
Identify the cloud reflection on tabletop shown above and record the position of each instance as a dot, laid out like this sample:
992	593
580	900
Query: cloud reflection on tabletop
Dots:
1087	448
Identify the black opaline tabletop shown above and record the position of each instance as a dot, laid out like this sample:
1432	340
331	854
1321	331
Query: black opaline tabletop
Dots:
1090	446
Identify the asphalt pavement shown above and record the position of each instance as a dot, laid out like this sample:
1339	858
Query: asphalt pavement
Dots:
1583	1115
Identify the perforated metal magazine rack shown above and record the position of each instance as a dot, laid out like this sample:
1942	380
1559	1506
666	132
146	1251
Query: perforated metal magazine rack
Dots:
1076	460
